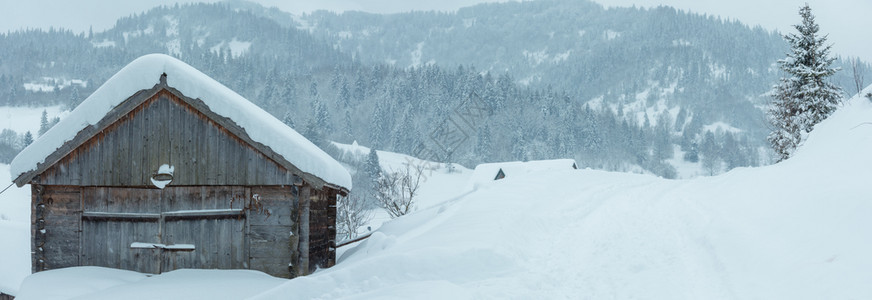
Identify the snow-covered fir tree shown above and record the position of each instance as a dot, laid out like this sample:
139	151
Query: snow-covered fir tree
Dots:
805	96
43	122
28	138
372	165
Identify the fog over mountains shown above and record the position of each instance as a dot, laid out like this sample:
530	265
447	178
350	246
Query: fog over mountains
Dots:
620	88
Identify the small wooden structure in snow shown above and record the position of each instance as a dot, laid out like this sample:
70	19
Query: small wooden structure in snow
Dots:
163	168
495	171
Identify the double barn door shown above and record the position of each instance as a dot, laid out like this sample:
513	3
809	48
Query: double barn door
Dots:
154	231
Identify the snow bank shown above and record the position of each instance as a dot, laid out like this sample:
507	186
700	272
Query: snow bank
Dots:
104	283
14	234
14	255
796	230
71	283
485	173
438	183
143	73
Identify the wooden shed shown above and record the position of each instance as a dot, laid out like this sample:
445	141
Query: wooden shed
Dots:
163	168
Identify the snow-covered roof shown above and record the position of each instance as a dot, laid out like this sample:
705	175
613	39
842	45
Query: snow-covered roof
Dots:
488	172
143	73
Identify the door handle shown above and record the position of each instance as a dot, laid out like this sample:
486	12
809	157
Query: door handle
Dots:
174	247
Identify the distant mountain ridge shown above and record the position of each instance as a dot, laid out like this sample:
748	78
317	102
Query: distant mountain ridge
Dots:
717	69
613	88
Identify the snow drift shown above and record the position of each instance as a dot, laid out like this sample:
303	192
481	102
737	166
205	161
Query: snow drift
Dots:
796	230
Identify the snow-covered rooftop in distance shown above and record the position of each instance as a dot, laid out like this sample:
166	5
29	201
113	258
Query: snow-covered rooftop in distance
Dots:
487	172
144	73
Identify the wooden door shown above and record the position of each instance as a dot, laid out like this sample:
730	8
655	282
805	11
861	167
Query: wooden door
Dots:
207	227
113	220
154	231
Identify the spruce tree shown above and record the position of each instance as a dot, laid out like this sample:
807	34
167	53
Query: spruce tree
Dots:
43	122
372	167
28	139
805	96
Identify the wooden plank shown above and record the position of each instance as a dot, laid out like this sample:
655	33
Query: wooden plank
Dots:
303	265
162	131
121	165
276	204
182	145
206	214
61	247
247	238
269	234
119	216
237	241
141	119
199	147
135	170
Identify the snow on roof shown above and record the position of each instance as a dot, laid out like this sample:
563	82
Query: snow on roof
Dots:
143	73
487	172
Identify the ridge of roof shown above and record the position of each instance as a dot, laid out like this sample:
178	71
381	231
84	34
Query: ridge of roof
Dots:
142	74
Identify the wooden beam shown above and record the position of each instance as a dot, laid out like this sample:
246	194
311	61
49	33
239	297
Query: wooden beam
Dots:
145	217
207	213
354	240
305	202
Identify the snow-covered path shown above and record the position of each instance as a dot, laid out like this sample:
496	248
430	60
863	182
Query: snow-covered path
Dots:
796	230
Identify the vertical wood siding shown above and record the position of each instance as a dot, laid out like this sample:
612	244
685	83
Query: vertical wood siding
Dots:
56	225
98	199
273	236
165	130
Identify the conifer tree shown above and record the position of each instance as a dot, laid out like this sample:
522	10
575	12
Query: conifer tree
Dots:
372	167
805	96
28	139
43	122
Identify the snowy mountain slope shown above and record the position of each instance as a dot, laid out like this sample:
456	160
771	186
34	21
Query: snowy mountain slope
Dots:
795	230
281	69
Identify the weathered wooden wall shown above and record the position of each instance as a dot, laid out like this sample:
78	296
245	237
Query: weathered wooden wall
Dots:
165	130
231	227
235	200
274	231
56	225
115	218
322	229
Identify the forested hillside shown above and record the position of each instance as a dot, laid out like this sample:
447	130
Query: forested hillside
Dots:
616	89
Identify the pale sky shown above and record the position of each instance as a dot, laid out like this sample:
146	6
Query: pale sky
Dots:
846	21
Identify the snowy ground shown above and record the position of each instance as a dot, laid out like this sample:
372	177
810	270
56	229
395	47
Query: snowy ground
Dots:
14	233
433	189
796	230
24	119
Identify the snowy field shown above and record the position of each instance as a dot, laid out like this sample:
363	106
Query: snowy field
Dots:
24	119
796	230
14	233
